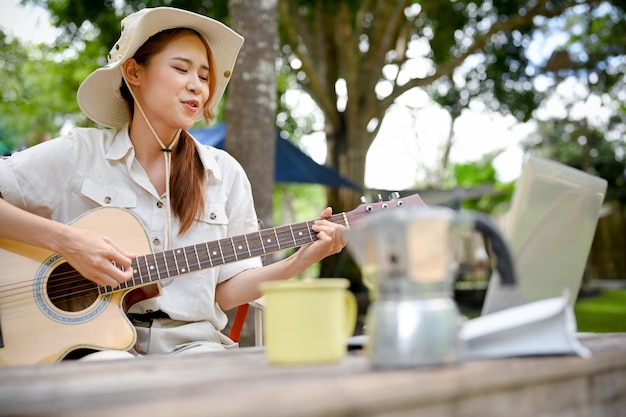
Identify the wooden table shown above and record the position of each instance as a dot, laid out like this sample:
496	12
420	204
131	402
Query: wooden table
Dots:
242	383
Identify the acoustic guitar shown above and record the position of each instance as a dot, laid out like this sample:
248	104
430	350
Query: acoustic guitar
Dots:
48	310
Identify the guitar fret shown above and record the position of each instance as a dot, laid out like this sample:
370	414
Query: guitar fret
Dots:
255	244
164	266
135	266
300	237
137	276
169	265
132	281
240	244
228	248
160	266
219	244
149	268
293	237
277	239
261	240
136	269
195	251
190	252
286	237
215	252
175	257
205	246
268	238
309	236
180	261
183	258
232	245
245	237
139	271
156	266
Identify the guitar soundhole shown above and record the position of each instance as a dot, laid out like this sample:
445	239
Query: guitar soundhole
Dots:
69	291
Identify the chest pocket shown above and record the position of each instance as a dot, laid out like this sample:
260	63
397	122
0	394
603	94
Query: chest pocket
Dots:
214	214
108	195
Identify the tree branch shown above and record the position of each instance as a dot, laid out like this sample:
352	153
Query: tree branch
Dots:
512	22
384	33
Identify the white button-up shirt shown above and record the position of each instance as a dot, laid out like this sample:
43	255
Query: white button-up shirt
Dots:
88	168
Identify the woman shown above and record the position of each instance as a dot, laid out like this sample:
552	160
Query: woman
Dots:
168	69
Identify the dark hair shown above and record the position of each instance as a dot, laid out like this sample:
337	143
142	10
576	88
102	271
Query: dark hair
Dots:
187	175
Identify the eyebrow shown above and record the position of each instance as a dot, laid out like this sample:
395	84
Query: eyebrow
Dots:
188	61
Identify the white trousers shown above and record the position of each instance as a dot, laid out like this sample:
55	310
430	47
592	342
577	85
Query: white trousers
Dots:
172	336
167	336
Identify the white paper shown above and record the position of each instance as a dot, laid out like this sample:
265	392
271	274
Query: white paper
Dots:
545	327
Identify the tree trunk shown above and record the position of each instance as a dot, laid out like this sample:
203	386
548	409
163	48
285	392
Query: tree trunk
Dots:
251	104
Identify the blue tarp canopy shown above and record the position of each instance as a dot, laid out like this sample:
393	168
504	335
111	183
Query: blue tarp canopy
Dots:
292	165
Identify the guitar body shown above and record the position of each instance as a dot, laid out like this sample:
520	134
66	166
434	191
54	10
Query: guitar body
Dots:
39	322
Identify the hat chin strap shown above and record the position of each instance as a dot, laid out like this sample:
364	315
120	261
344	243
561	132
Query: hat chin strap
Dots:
167	154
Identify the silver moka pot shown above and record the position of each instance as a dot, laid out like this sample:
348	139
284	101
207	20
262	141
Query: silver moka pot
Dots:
408	258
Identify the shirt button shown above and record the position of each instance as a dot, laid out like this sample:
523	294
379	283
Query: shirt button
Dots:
213	216
107	200
156	241
159	204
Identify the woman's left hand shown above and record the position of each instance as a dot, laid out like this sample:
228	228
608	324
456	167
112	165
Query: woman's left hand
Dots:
244	287
331	239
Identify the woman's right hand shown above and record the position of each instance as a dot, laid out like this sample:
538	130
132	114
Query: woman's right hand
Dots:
96	257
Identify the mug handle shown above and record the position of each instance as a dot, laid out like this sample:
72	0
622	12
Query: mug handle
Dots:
367	274
351	313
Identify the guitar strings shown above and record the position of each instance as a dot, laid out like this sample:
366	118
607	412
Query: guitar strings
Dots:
227	256
282	234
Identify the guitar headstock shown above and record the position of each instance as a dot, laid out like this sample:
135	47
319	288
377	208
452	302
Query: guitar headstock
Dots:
365	209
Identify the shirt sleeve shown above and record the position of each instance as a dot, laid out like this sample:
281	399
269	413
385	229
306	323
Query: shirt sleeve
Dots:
35	179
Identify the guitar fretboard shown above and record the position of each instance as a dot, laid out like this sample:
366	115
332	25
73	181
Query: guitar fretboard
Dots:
154	267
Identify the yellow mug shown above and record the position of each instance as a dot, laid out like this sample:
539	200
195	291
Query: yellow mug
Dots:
307	321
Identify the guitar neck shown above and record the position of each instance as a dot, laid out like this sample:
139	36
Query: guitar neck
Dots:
157	266
154	267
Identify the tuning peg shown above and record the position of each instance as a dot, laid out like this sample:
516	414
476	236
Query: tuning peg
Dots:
363	200
394	196
380	198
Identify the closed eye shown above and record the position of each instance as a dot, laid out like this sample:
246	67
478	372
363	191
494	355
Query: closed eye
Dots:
185	71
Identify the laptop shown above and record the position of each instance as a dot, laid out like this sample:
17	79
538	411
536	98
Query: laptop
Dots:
549	230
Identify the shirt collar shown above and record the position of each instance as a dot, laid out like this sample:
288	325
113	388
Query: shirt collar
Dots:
121	146
207	158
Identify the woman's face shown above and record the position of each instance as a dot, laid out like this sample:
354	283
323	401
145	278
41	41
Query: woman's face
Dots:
173	86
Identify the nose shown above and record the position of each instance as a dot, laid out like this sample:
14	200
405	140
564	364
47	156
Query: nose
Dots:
194	83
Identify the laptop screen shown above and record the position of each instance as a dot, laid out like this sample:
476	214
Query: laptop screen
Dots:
549	230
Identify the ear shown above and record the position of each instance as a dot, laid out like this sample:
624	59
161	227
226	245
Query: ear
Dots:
132	71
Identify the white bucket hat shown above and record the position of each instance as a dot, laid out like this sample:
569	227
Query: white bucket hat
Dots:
99	96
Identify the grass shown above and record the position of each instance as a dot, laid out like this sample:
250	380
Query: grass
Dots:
604	313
